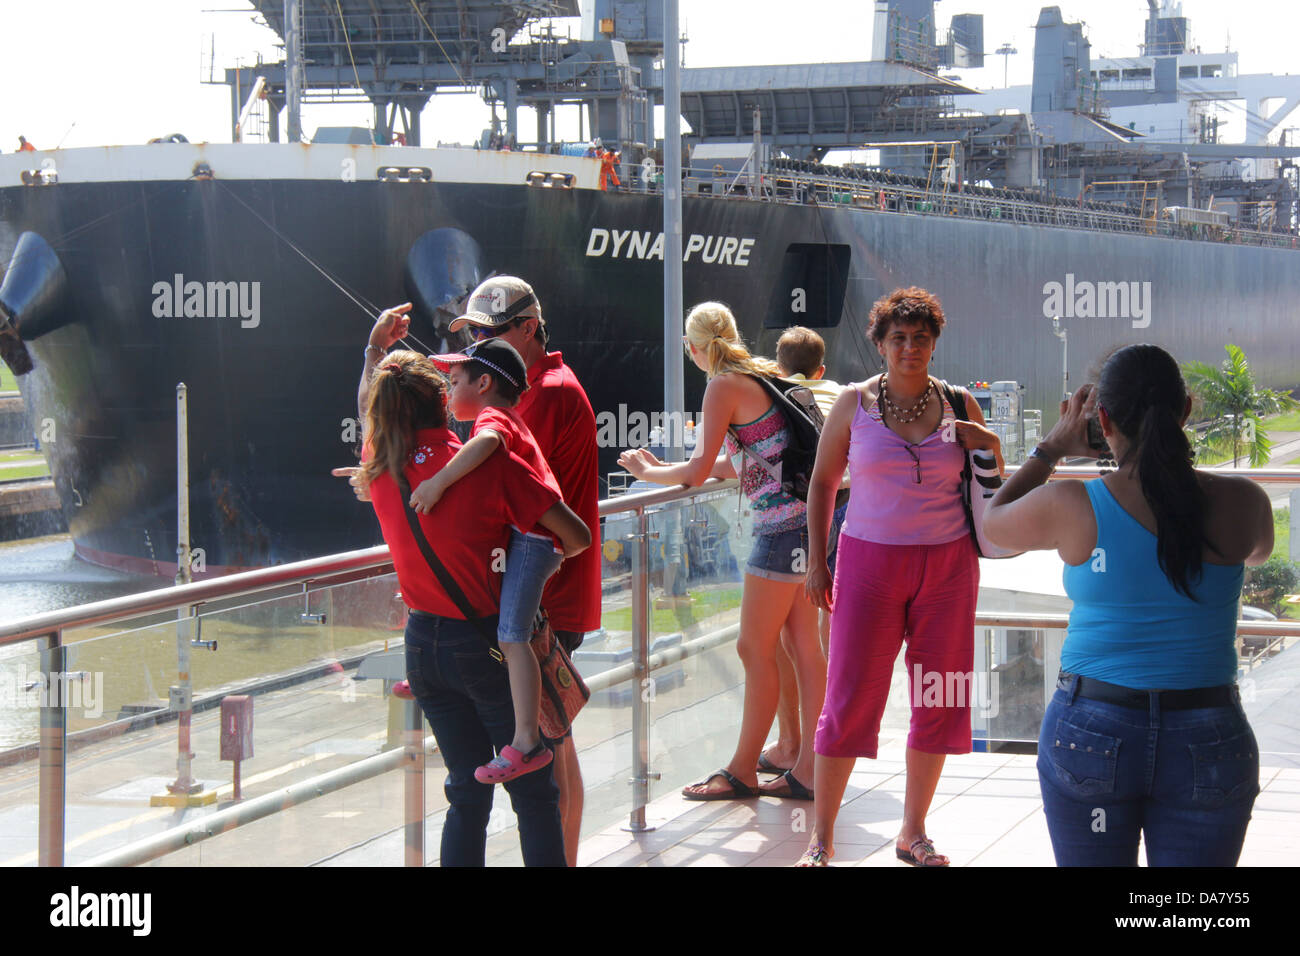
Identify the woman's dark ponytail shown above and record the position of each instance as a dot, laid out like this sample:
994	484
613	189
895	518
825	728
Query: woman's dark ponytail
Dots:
1143	392
1170	487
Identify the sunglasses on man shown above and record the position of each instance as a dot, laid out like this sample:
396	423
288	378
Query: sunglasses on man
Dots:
481	334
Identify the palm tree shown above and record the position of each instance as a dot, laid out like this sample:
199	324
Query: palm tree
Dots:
1229	397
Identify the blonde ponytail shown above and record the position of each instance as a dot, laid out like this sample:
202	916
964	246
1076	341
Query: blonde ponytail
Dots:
711	328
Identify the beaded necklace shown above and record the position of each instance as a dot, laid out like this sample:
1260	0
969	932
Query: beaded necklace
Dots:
906	415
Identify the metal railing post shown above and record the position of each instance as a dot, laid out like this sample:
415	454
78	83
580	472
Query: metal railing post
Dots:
53	752
640	672
182	695
413	790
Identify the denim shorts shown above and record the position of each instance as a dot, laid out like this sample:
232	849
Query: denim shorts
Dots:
783	555
531	560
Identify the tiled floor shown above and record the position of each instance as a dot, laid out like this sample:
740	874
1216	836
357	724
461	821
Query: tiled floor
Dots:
987	812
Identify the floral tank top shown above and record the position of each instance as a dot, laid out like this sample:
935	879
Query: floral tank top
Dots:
766	436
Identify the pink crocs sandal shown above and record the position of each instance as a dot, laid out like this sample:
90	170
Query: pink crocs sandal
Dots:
511	763
402	690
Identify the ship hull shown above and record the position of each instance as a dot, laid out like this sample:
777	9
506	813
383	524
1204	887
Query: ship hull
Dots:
271	397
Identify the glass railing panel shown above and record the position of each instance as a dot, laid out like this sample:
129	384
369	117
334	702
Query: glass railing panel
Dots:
696	576
602	733
1015	675
21	695
296	655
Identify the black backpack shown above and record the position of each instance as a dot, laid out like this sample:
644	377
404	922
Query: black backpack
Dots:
803	421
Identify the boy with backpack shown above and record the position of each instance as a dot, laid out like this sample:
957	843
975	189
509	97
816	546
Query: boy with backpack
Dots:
800	353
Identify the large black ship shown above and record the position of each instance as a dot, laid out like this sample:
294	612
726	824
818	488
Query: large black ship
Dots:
252	272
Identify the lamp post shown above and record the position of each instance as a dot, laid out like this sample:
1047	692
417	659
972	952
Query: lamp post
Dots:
1062	334
1006	51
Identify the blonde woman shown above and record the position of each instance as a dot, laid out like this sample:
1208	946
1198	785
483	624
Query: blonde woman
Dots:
773	591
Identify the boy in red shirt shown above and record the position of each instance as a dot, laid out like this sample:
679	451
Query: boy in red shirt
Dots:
487	380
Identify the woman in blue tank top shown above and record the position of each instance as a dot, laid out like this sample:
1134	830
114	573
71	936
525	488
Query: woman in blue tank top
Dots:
1145	736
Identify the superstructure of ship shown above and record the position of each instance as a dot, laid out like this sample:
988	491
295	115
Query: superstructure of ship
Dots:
252	271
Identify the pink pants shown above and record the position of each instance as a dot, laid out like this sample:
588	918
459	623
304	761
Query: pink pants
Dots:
883	594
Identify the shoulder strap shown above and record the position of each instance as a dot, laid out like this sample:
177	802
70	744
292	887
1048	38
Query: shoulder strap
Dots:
778	398
957	399
439	569
763	462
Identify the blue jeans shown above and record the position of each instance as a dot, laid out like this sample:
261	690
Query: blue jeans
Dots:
465	694
1184	779
530	562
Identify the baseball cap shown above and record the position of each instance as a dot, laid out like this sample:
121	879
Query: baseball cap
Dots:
497	355
497	301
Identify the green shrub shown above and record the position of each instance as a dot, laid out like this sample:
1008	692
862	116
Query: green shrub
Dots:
1268	584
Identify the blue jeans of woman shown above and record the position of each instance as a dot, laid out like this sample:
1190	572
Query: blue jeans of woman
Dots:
1185	780
465	694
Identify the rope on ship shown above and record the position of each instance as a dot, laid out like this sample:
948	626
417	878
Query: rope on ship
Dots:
361	302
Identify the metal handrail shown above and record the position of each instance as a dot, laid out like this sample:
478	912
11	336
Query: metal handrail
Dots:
1265	476
314	571
977	205
1047	622
318	571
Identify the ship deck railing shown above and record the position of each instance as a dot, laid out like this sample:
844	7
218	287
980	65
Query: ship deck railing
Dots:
338	768
880	191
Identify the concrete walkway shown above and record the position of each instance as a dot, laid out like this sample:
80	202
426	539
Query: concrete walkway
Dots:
987	812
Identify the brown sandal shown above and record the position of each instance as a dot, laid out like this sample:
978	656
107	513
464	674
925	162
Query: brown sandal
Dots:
927	848
815	855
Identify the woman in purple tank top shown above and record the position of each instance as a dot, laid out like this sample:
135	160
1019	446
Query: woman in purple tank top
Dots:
907	570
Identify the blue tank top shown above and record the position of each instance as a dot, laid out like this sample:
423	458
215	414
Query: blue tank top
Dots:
1129	626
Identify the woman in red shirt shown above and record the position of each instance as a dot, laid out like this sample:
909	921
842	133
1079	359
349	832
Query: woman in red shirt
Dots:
462	690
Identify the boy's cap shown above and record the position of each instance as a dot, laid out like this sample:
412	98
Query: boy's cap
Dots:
497	301
497	355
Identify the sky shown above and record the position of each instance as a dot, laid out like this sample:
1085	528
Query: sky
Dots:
107	72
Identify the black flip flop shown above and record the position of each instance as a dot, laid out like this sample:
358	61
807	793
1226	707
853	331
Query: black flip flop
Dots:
738	791
766	766
794	789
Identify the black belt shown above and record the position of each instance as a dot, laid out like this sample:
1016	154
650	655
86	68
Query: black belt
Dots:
1224	695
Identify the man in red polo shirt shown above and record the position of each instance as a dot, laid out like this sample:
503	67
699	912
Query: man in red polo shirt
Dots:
557	411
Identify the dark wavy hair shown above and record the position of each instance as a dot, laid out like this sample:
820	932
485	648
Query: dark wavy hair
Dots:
1142	390
905	307
406	394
